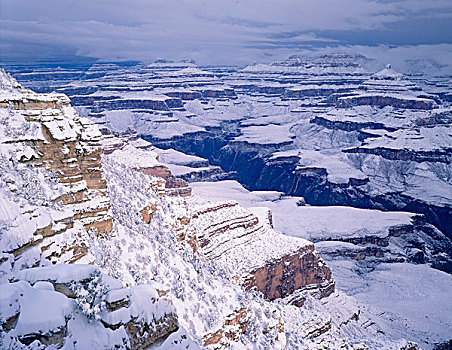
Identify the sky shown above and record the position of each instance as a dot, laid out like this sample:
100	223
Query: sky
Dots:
233	32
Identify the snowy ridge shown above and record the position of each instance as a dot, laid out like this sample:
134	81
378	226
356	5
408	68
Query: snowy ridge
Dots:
150	277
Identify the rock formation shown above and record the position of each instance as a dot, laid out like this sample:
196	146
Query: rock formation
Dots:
236	239
54	204
254	254
43	131
43	308
231	278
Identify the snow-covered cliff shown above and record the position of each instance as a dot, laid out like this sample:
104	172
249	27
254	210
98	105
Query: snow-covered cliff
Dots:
98	252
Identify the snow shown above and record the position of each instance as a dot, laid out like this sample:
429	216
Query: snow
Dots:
117	295
9	296
60	273
44	285
392	300
145	306
387	73
423	139
120	120
192	71
402	300
415	295
60	130
320	223
308	222
178	341
266	134
136	158
397	96
335	164
179	170
171	156
93	335
41	311
23	223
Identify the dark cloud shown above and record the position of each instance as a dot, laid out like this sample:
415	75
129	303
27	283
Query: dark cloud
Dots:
220	31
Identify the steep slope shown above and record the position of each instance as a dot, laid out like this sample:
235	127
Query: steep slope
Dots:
240	242
146	281
42	134
54	205
384	259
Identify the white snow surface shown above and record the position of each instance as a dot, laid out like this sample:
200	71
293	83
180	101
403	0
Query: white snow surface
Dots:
60	273
336	165
42	311
136	158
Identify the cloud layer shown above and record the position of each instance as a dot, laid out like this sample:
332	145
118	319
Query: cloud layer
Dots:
214	31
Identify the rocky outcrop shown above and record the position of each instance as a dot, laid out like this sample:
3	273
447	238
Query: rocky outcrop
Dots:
348	125
416	242
315	91
382	101
174	186
251	167
251	252
158	104
145	160
53	137
291	276
386	88
233	327
220	92
185	95
440	156
48	305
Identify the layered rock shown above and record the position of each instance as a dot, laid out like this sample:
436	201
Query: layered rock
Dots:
146	161
43	131
233	327
256	256
229	132
387	88
238	240
405	239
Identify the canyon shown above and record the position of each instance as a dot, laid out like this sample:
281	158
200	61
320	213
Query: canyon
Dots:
271	205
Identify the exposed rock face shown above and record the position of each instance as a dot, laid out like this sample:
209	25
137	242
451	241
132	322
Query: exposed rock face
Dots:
148	212
330	103
291	275
235	325
158	104
386	88
259	258
173	185
42	130
146	160
416	242
53	204
238	240
253	169
238	243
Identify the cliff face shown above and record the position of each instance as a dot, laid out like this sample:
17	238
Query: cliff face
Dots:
164	268
251	252
54	205
233	238
145	160
43	131
44	136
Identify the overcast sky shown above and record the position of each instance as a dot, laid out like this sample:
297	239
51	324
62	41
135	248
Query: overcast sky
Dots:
221	31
